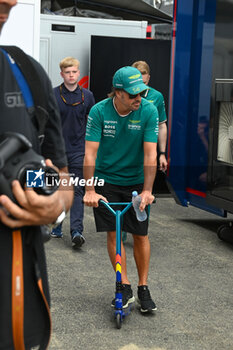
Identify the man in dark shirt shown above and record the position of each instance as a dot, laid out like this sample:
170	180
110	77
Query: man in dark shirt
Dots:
24	219
74	103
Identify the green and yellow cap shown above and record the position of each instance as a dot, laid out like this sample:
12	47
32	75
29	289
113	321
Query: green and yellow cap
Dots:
129	79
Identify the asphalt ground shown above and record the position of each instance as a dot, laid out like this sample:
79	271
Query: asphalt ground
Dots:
190	279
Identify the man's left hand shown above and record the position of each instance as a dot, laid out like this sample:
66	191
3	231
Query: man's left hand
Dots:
162	162
147	198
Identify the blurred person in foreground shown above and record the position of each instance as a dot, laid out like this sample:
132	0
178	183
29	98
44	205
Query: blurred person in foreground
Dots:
24	303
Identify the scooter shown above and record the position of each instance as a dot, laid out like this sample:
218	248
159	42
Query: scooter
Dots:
119	311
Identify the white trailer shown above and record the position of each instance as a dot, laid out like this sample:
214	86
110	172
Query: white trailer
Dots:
62	36
23	27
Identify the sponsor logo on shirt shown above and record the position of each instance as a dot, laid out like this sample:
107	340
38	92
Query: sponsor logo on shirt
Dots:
89	125
110	128
134	127
110	121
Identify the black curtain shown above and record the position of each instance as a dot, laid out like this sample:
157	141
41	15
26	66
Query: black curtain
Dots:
111	53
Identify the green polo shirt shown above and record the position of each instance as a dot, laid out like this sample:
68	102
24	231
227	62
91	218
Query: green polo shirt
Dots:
155	97
120	155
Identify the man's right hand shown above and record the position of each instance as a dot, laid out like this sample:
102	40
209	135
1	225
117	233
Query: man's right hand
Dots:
32	209
91	198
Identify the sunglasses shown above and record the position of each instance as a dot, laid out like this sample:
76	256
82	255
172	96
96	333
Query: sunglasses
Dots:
131	97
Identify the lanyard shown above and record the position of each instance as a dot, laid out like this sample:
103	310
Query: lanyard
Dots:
75	103
22	83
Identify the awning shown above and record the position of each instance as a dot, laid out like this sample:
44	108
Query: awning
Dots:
137	10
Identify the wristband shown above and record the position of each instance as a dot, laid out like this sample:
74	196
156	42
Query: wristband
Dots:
161	153
58	221
60	218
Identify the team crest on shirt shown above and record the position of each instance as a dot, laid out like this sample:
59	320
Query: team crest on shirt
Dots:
134	121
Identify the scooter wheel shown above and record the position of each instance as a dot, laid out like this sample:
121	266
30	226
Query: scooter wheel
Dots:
225	233
220	230
118	321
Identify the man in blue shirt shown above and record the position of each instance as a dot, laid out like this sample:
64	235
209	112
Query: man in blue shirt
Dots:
74	103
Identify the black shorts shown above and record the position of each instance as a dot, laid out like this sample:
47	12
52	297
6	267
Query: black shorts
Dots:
106	221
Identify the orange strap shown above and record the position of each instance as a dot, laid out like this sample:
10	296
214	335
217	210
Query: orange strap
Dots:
40	286
17	291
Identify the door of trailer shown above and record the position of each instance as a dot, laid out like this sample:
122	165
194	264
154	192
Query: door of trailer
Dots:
220	171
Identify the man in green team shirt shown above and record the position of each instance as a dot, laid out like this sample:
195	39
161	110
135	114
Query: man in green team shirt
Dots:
155	97
121	148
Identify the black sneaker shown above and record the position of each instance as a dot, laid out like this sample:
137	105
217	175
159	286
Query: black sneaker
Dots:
77	239
145	300
127	296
